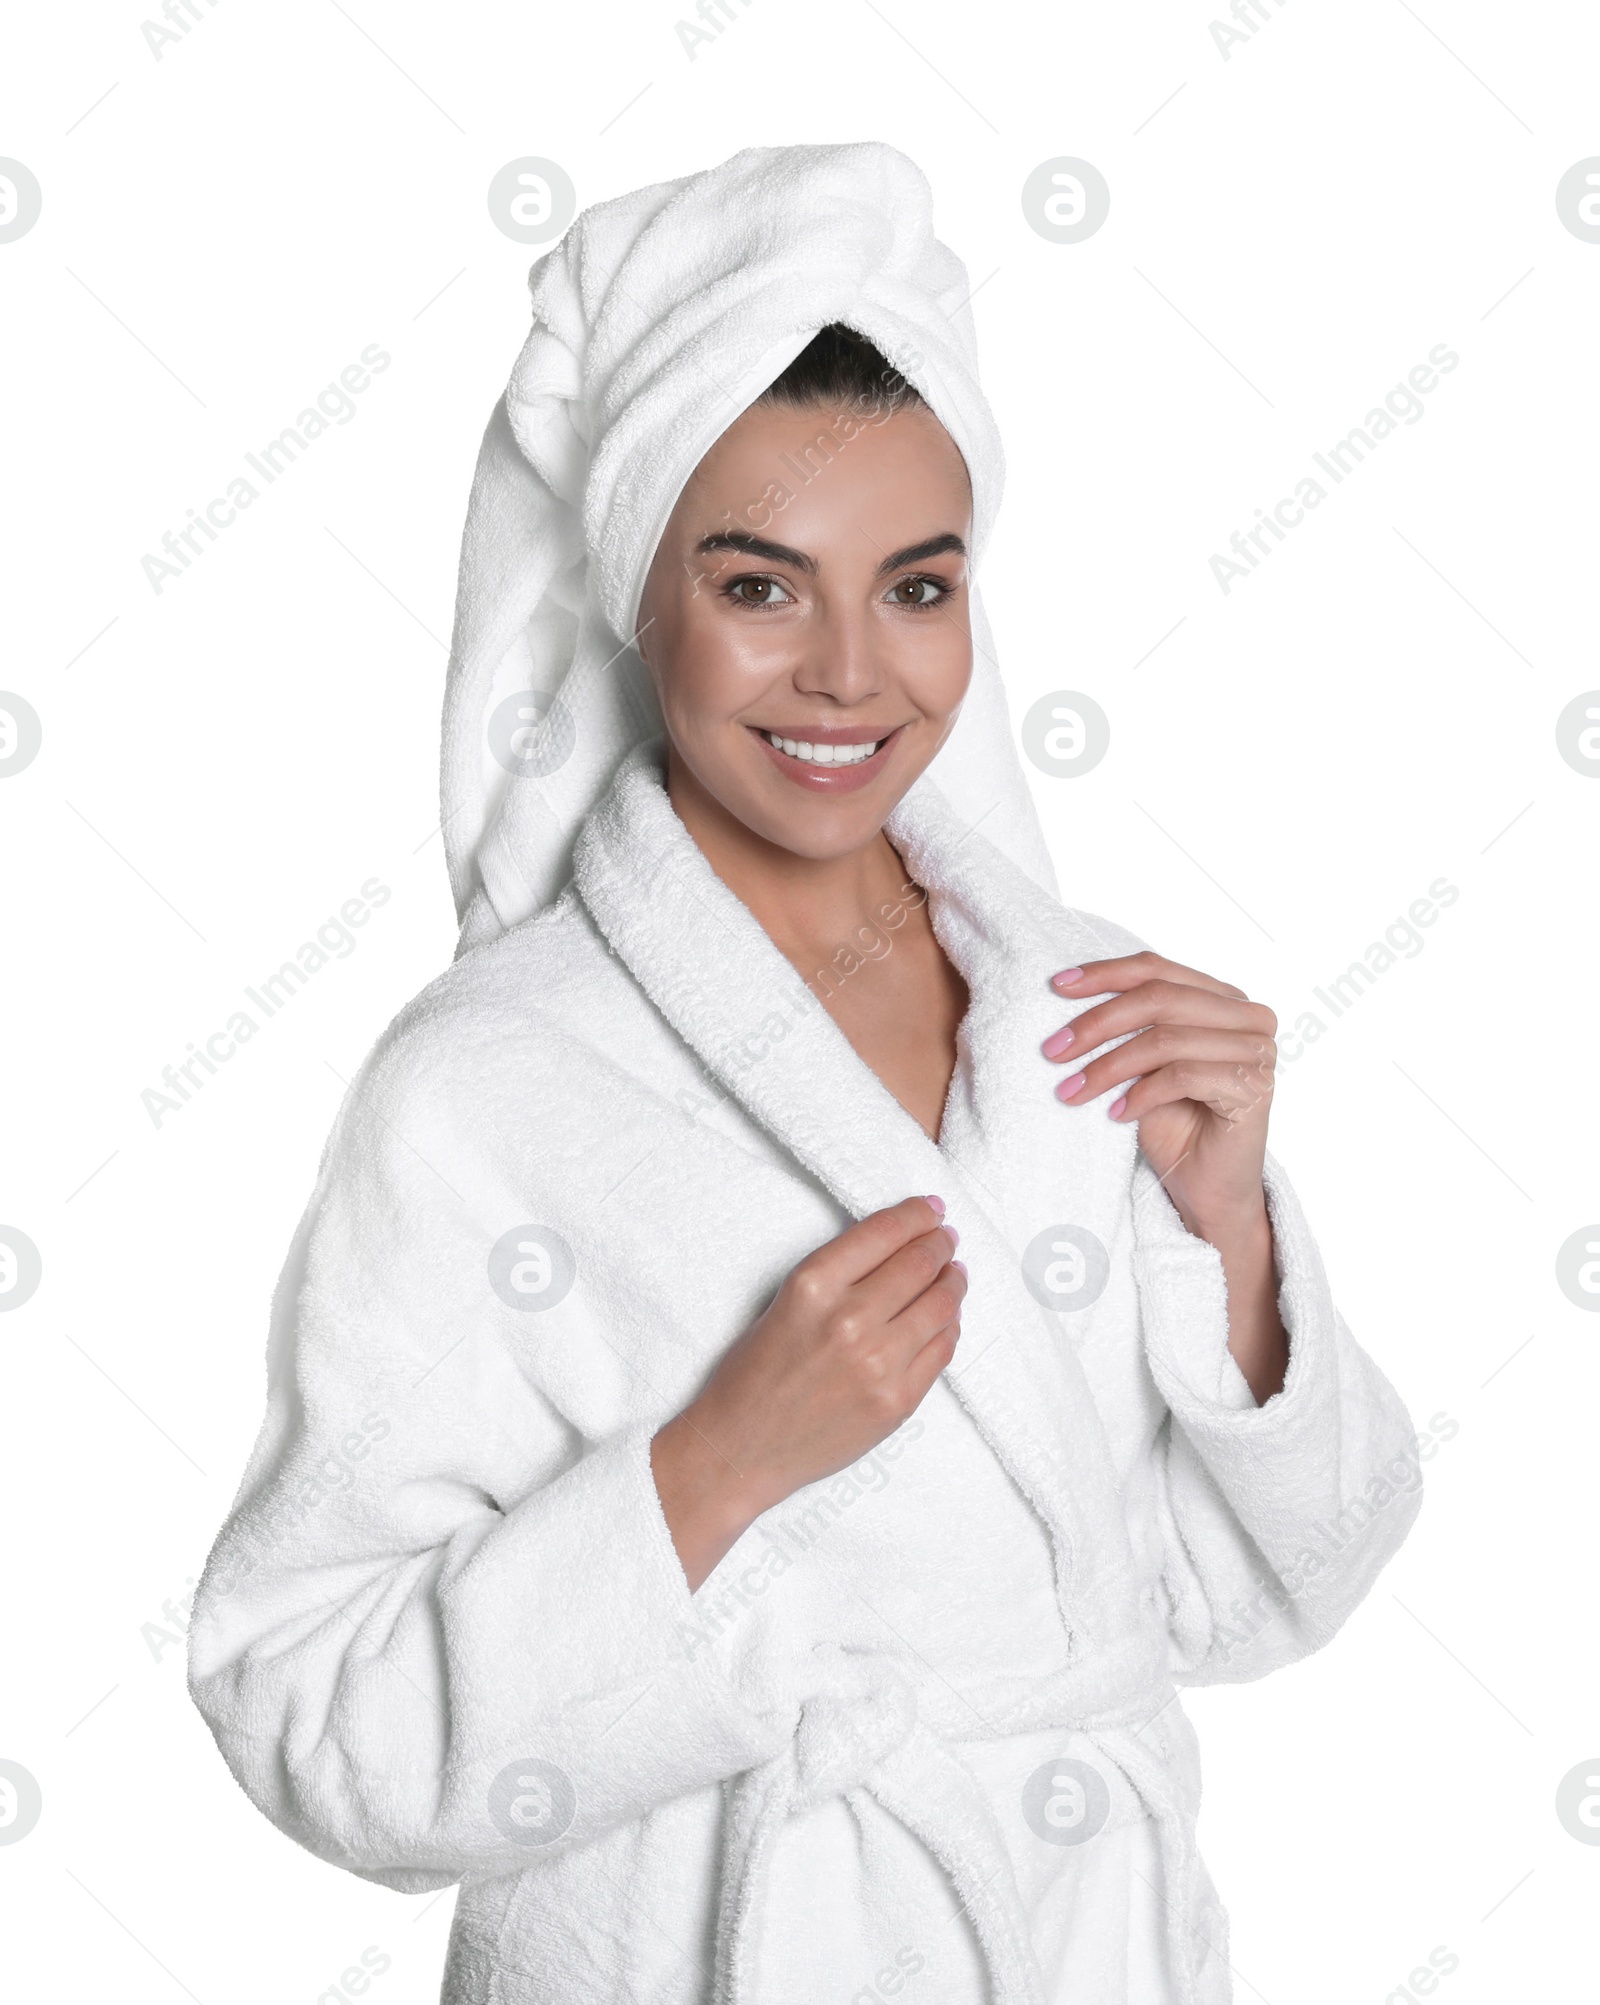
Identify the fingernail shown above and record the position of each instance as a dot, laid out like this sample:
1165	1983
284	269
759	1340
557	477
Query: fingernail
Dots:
961	1264
1066	978
955	1237
1057	1042
937	1203
1116	1107
1070	1086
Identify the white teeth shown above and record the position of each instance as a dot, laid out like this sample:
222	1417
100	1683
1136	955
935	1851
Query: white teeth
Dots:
822	755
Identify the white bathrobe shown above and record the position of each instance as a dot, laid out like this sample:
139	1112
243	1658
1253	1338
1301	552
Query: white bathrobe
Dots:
918	1734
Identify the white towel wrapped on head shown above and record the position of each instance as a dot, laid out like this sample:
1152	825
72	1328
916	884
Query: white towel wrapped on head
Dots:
657	320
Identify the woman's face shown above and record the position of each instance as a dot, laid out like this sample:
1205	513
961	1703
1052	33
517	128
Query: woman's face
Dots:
835	621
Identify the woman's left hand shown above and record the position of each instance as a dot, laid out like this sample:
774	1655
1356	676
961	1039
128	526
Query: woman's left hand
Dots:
1202	1054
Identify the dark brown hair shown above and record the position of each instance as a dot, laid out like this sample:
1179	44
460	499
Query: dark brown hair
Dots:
840	366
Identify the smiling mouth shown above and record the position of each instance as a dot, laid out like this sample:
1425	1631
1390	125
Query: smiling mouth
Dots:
809	754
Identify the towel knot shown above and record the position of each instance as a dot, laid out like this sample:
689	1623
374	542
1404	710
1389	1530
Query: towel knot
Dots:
862	1715
859	1732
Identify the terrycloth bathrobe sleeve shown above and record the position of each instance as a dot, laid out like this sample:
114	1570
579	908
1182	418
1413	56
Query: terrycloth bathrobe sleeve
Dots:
1276	1519
447	1562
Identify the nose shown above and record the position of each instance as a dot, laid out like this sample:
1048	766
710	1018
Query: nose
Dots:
842	658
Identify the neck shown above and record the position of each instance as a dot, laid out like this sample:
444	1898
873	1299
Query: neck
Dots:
808	906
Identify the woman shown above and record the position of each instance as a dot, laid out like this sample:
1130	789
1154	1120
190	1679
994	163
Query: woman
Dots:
656	1527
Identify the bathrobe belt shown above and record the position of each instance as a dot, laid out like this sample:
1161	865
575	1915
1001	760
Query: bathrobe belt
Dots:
861	1733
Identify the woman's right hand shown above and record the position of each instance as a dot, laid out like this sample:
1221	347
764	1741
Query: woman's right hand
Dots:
845	1353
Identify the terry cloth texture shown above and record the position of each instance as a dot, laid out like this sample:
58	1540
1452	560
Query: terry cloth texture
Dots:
572	1172
920	1730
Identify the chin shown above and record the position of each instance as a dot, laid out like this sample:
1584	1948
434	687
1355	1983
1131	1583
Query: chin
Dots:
819	830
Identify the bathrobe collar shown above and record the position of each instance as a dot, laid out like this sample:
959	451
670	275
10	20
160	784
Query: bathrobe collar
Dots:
720	981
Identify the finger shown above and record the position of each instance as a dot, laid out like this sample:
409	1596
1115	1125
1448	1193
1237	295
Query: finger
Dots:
1126	971
1158	1001
864	1246
1166	1045
920	1270
1231	1091
932	1359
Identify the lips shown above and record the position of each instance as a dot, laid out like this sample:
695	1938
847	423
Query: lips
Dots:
843	767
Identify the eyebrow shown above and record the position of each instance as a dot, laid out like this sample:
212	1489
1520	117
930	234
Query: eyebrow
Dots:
746	545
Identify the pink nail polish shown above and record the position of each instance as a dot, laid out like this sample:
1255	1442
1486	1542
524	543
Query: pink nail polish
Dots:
961	1264
1057	1042
1066	978
937	1203
1070	1086
955	1237
1116	1107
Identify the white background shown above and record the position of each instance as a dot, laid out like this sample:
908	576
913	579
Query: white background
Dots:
1292	228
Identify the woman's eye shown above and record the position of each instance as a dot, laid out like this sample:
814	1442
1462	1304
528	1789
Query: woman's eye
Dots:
764	592
934	588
